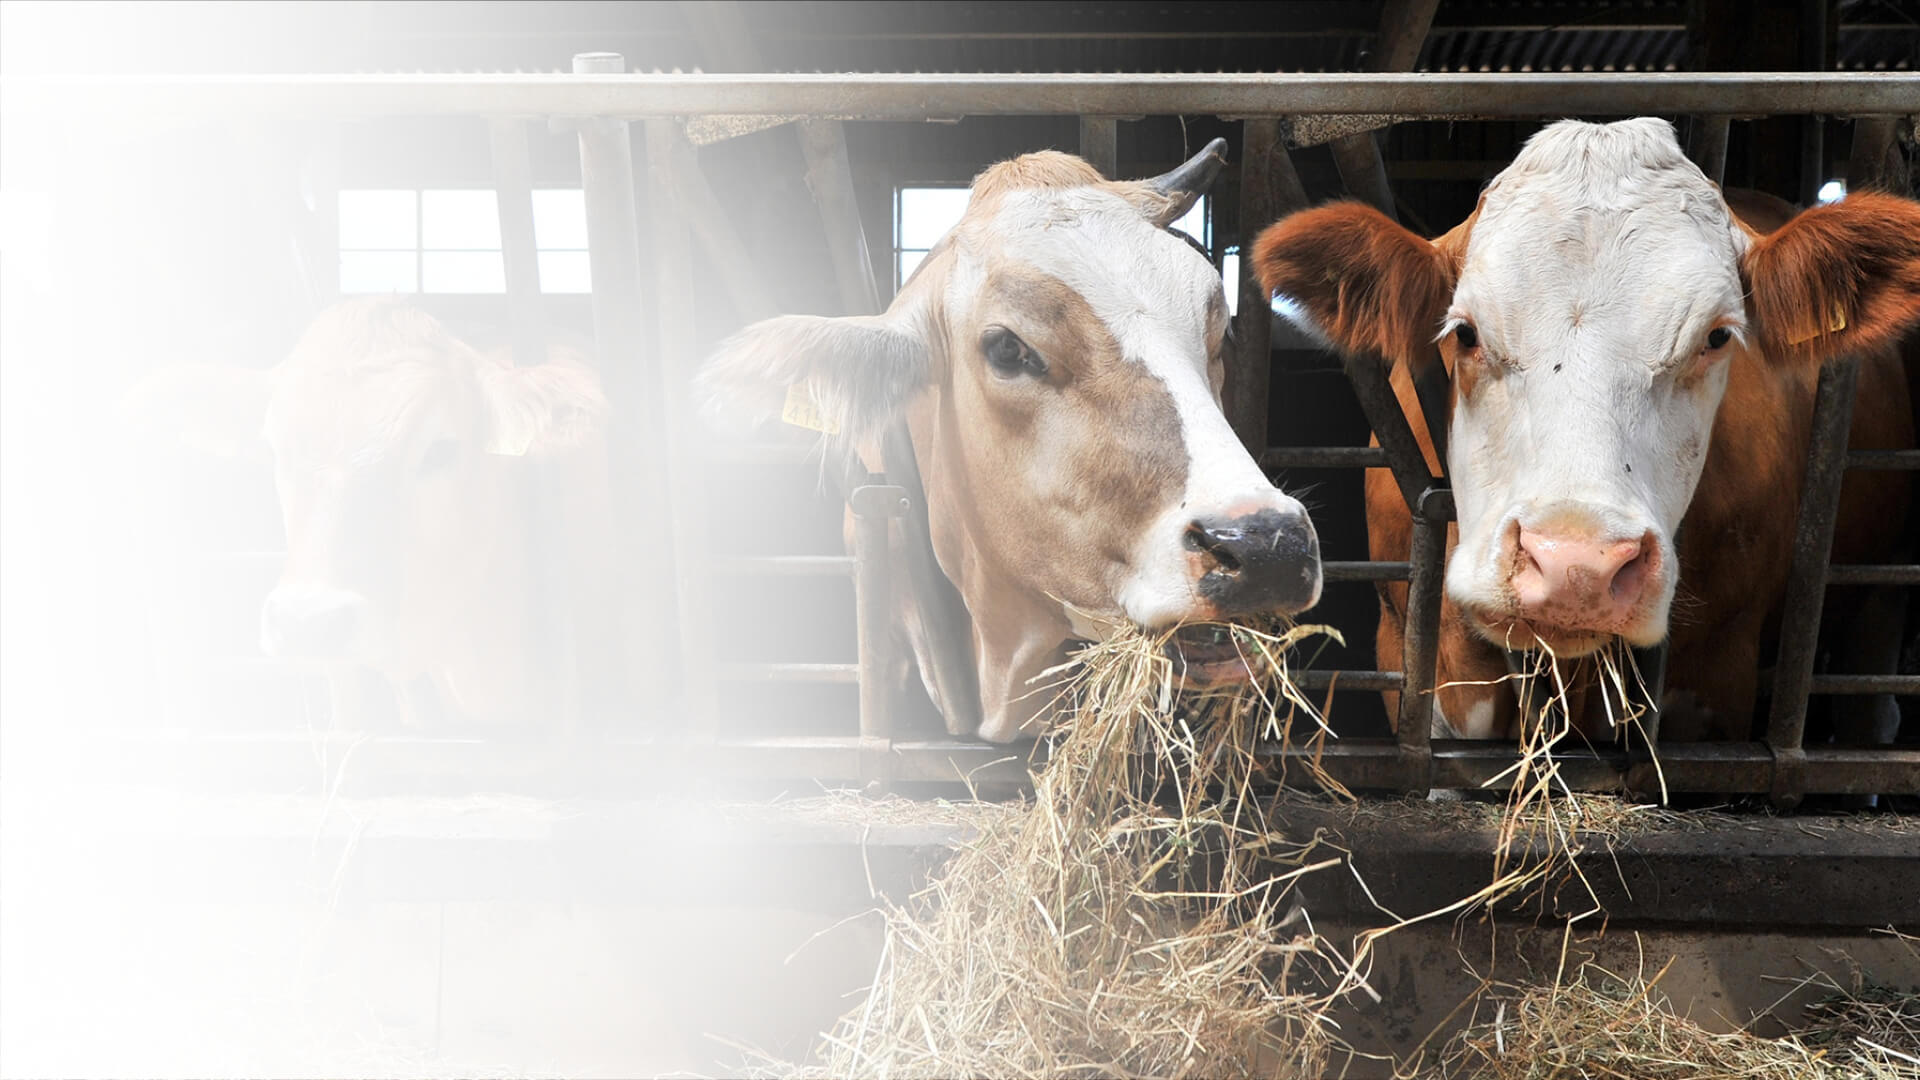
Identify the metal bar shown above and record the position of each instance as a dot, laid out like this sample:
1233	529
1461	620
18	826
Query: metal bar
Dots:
797	673
1375	681
1100	144
944	97
557	684
1867	159
1707	144
1368	373
1365	571
1327	457
1250	364
1364	171
874	506
1864	684
280	762
784	565
1420	652
943	615
1807	580
1873	575
513	187
725	250
672	246
1902	460
622	335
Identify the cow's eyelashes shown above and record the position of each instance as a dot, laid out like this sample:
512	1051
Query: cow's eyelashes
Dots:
441	454
1008	356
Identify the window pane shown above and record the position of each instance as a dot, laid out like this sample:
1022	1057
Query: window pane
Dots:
565	272
1230	271
463	272
560	220
459	220
904	263
377	271
378	220
1194	222
927	213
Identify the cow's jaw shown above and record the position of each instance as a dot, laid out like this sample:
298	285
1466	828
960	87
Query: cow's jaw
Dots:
1599	263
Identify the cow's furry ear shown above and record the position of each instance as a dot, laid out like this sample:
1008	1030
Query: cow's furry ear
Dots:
1367	284
1838	279
209	408
542	410
847	376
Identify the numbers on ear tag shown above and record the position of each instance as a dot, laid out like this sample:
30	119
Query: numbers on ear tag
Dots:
802	411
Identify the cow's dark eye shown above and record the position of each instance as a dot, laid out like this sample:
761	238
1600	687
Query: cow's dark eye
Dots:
440	455
1719	337
1008	355
1467	336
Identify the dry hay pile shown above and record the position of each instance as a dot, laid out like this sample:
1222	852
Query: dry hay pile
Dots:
1105	931
1605	1025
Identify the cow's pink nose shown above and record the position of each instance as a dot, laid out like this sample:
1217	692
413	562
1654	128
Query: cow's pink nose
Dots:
1580	582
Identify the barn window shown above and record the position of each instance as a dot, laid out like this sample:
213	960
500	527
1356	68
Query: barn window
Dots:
447	240
922	215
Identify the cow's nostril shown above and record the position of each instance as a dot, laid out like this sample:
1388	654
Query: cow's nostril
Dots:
1217	543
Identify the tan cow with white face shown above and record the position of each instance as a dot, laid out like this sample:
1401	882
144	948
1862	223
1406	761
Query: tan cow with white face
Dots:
1625	351
402	458
1058	359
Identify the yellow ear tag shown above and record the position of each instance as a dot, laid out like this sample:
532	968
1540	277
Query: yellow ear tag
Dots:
800	411
1836	322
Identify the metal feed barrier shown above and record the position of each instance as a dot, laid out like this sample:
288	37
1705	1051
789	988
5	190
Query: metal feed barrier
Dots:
639	362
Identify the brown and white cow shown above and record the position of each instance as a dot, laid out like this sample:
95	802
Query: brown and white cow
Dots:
1058	359
401	458
1625	351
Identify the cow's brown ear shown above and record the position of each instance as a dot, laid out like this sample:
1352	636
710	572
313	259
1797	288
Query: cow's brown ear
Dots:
542	410
846	376
210	408
1366	283
1838	279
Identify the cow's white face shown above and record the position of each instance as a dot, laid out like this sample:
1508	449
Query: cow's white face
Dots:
1589	312
1596	307
1059	358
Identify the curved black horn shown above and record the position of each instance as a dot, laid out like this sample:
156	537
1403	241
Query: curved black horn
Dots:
1196	175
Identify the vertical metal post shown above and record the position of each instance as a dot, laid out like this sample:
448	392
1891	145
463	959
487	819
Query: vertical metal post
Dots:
1867	160
1707	145
632	388
1420	641
1100	143
686	510
1807	579
1431	504
555	686
1250	367
874	507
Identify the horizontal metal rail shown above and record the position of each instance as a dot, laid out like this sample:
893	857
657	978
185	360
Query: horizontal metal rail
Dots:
1908	460
1323	457
273	762
796	673
941	97
1898	574
1365	571
785	565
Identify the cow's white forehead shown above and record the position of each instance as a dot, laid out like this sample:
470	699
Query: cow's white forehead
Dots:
1137	277
1607	227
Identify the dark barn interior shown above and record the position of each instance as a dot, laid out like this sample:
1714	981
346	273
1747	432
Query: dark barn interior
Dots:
278	266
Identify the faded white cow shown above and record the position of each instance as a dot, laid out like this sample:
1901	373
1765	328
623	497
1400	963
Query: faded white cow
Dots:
402	457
